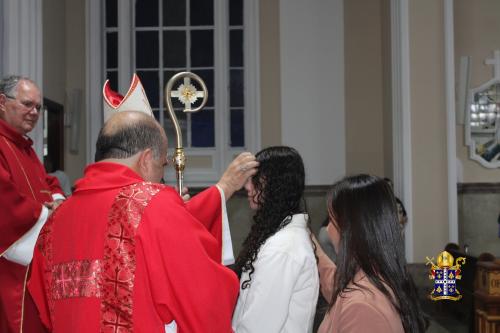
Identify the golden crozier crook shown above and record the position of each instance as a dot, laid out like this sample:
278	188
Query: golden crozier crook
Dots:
187	95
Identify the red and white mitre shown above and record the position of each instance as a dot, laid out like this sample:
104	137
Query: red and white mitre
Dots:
134	100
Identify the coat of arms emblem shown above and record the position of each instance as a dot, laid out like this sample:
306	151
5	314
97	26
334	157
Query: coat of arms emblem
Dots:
445	276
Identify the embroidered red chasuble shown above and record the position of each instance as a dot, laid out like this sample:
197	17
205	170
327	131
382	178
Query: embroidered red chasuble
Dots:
24	187
123	255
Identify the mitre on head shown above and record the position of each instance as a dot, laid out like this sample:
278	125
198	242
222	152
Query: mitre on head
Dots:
134	100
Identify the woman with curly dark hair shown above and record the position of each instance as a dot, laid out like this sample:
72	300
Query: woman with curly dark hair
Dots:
369	288
277	266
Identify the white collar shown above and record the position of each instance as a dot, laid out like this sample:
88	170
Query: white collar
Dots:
298	220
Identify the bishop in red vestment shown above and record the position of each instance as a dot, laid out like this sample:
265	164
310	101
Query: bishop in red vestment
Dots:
24	188
128	255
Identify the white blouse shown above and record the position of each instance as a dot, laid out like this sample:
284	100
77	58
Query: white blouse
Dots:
284	287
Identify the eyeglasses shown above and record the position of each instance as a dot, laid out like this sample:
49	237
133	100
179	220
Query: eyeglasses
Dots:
28	105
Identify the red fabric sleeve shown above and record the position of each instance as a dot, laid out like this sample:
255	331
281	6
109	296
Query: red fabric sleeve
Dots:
206	207
19	212
37	287
187	285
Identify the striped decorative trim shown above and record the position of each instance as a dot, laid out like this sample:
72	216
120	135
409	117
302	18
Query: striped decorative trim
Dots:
80	278
119	261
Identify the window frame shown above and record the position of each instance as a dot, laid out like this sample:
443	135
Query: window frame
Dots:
222	154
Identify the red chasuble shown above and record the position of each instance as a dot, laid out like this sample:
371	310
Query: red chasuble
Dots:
24	187
124	255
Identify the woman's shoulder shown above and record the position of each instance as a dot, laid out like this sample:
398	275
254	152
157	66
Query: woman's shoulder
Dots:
362	294
362	316
364	300
363	290
294	248
293	238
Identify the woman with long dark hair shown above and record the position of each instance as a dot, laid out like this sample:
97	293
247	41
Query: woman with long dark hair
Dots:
277	266
369	288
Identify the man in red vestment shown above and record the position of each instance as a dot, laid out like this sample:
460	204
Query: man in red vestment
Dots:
126	254
28	197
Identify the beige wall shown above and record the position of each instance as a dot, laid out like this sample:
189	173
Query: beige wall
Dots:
64	68
270	88
369	114
476	35
54	53
428	119
75	79
364	97
387	87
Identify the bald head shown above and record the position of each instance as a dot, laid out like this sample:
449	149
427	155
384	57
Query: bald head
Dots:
128	133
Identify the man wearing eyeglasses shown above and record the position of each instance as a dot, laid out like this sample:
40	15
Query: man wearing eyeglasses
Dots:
28	197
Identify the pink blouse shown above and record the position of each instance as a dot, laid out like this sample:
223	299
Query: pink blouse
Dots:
360	310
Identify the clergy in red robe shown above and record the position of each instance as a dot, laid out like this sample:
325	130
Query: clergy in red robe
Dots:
126	254
25	190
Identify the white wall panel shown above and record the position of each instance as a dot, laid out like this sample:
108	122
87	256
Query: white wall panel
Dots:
312	85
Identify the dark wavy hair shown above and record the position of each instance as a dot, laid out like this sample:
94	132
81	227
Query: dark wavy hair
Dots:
279	184
364	209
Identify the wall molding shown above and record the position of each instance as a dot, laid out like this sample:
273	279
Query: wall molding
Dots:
449	63
401	114
252	75
309	190
468	188
94	76
125	27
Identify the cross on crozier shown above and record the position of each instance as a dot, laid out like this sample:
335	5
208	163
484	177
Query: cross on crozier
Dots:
187	93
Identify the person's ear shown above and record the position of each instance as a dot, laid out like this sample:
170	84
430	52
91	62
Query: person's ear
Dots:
3	99
144	161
